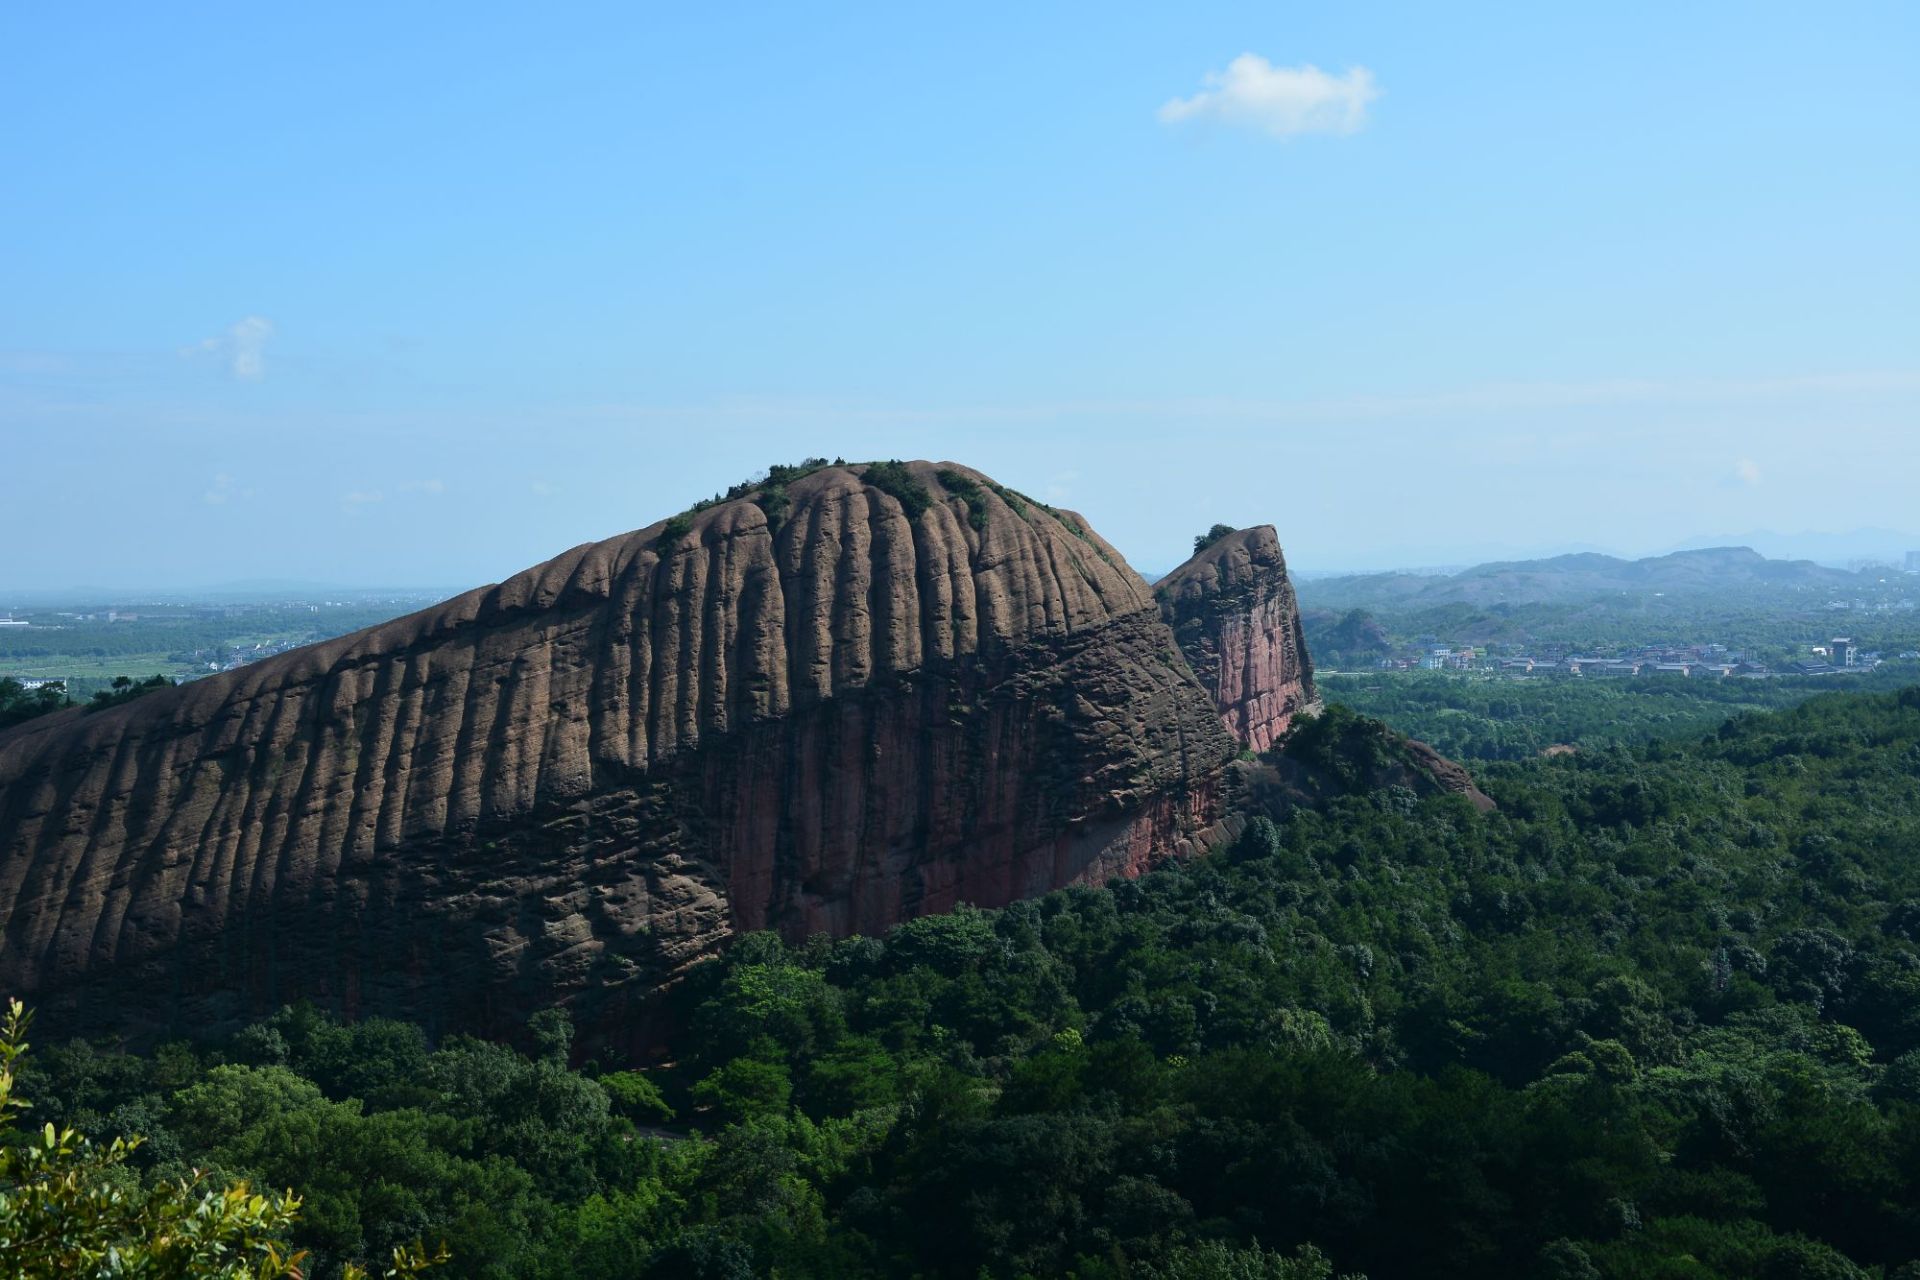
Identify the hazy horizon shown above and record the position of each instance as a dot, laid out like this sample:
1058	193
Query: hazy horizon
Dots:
1828	547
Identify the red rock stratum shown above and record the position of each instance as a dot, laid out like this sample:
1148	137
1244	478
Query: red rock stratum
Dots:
826	706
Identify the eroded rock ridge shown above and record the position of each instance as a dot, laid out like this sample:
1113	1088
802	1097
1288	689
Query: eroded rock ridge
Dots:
827	706
1232	609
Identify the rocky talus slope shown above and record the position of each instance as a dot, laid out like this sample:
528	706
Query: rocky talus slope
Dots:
1233	611
830	705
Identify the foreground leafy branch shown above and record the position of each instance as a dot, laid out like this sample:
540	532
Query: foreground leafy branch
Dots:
70	1207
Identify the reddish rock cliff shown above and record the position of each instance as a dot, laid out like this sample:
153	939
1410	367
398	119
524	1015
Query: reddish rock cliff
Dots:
812	708
1233	610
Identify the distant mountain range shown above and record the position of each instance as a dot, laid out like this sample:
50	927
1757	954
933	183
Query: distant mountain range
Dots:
1581	576
1834	550
1837	549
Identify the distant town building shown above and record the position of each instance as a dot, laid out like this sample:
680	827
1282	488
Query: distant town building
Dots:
1841	651
1913	562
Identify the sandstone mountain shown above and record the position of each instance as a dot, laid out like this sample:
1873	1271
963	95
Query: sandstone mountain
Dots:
1233	611
845	697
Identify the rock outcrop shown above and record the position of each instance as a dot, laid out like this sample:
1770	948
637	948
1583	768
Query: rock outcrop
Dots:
852	697
1428	768
1233	611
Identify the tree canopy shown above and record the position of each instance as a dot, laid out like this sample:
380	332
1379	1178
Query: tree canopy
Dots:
1653	1017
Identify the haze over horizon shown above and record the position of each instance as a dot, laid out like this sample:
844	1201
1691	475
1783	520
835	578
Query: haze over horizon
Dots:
289	301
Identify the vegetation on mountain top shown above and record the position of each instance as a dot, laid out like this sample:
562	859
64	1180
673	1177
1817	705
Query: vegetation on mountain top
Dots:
894	479
126	689
1202	541
19	703
768	490
968	491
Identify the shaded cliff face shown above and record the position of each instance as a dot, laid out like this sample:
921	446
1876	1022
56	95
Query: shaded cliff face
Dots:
1233	611
804	710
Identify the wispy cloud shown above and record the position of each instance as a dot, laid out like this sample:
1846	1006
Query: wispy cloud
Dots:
1278	101
223	490
359	499
1747	471
242	348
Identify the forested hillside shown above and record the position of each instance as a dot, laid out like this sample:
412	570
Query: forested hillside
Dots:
1656	1016
1478	717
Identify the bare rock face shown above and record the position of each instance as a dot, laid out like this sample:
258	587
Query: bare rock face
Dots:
1233	610
826	706
1431	769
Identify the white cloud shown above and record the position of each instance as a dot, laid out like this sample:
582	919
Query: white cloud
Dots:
361	498
1747	471
242	348
435	486
1279	101
543	489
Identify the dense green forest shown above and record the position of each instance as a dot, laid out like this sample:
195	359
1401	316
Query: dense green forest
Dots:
1492	717
1656	1016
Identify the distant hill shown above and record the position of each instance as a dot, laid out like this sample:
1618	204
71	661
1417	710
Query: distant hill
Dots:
1571	578
1885	545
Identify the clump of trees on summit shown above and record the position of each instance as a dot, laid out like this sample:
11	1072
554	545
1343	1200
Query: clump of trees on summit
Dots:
1202	541
19	703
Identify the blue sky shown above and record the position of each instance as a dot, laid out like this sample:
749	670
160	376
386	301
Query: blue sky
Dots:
365	294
